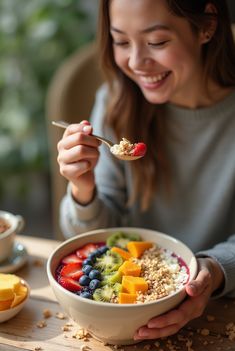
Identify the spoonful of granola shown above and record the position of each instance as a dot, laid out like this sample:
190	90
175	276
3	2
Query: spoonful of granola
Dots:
125	150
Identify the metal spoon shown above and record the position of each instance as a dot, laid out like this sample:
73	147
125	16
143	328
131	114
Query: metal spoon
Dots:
64	125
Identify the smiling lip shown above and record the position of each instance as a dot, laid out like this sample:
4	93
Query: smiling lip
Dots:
153	82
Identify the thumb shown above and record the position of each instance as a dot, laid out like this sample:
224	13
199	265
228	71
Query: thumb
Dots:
200	284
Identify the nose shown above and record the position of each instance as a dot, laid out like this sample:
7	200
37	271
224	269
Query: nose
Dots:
138	58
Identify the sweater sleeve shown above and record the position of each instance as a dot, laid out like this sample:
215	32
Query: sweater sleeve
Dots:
108	207
224	254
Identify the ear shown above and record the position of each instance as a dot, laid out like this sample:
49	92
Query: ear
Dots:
210	26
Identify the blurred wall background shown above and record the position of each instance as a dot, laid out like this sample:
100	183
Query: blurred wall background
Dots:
35	37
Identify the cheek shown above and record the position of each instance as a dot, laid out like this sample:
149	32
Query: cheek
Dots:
120	58
179	60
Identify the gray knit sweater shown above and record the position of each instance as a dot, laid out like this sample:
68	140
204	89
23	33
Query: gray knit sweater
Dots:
201	211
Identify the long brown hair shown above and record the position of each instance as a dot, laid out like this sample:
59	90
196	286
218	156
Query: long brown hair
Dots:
130	115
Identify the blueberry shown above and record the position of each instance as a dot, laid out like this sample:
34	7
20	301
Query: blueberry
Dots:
93	256
87	268
84	280
94	284
94	274
86	295
103	249
87	261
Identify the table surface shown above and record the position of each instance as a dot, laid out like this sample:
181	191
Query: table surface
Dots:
23	332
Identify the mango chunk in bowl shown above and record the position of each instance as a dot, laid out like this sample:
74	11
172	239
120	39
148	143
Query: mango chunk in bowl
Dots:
14	293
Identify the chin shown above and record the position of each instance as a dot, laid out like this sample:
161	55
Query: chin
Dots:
157	99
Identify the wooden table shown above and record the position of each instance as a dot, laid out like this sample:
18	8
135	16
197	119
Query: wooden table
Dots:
24	332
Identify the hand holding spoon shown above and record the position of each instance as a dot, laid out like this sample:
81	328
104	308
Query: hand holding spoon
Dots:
138	151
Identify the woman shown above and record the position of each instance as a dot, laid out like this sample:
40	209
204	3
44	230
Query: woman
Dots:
170	83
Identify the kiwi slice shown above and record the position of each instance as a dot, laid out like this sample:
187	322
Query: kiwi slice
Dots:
109	262
121	239
111	278
107	292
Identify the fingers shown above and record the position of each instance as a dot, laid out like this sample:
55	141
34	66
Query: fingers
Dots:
171	322
83	126
146	333
77	153
77	146
77	134
198	290
172	317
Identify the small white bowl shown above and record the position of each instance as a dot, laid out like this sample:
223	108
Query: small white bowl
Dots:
16	224
12	312
108	322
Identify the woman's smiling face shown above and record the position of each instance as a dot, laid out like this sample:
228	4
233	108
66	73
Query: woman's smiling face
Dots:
157	50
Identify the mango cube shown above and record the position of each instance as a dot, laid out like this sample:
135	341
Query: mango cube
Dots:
132	285
126	298
130	268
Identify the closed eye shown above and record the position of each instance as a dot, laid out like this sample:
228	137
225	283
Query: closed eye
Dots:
120	43
161	43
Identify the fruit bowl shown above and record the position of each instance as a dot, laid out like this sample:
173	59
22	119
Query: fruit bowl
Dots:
115	323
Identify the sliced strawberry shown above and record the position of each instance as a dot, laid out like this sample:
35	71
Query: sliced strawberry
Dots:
72	270
69	284
84	251
139	150
73	258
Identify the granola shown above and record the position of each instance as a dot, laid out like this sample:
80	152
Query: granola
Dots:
125	147
162	271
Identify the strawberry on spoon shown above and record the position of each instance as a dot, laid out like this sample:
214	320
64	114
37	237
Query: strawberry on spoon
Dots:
139	149
112	147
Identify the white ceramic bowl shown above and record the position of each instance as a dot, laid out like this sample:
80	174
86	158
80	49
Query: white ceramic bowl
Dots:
12	312
115	323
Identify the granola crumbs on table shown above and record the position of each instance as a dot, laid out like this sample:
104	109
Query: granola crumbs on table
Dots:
230	331
85	348
37	348
81	334
41	324
189	344
60	315
210	318
65	328
205	332
47	313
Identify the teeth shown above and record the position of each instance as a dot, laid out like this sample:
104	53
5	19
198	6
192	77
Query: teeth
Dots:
154	79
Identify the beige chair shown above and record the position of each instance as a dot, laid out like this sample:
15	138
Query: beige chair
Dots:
70	97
